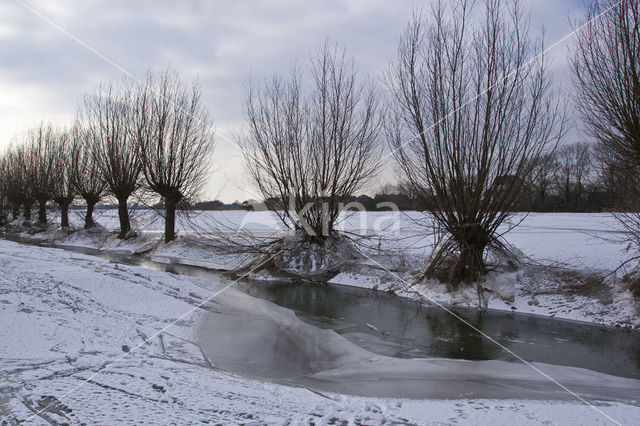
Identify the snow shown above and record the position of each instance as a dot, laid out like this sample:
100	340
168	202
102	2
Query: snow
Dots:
553	245
583	240
89	341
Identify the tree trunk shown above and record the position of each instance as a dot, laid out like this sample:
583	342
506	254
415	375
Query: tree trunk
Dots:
16	211
123	214
27	210
64	215
42	212
170	220
471	265
88	217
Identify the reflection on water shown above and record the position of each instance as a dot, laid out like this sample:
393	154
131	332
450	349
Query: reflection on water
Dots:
390	326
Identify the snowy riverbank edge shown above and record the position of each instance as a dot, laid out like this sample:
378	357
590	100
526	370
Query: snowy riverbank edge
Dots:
549	291
89	341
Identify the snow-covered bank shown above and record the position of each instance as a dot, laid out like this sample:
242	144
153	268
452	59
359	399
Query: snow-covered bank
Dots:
73	342
566	277
532	290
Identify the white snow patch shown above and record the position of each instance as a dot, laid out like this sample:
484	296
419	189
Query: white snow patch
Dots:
84	340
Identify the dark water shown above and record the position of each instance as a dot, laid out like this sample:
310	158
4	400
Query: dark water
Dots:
387	325
409	330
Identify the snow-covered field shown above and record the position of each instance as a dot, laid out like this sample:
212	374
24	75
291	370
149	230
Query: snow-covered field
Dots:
590	241
89	341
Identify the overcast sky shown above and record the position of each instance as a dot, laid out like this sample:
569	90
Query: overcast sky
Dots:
52	52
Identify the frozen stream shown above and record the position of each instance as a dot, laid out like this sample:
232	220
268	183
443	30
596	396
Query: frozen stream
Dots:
396	327
353	341
336	349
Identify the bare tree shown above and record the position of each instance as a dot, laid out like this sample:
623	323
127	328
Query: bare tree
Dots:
583	169
389	189
64	190
4	182
471	115
606	72
609	177
310	144
85	170
107	117
41	152
3	210
573	167
18	188
174	137
541	180
564	165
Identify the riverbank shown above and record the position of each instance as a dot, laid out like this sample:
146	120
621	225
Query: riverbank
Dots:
565	273
96	342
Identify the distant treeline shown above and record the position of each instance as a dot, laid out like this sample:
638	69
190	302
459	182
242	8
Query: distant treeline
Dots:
574	178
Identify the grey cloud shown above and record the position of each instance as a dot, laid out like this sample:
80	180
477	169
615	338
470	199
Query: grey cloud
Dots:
221	42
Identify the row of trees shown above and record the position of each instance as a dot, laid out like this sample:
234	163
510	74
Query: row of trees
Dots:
572	178
152	140
468	109
473	122
575	178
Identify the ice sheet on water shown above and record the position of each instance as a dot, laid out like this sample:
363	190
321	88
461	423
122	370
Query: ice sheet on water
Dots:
258	338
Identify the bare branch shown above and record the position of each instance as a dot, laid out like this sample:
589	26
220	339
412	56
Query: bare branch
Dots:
471	115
